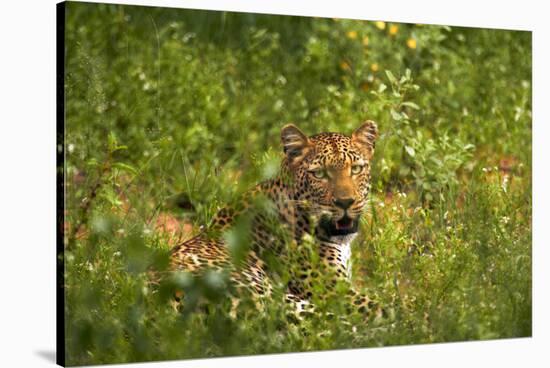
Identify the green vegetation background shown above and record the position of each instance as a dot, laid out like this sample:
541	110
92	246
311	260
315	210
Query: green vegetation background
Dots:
171	113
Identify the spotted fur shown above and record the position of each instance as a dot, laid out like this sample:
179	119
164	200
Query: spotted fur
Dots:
317	200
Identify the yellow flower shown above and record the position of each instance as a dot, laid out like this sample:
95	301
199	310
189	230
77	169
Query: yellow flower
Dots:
352	35
380	25
344	65
374	67
393	29
411	43
365	41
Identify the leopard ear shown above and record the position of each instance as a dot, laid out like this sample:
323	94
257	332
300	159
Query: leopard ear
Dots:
296	145
365	137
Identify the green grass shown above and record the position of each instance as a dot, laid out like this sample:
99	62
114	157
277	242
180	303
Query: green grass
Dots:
172	113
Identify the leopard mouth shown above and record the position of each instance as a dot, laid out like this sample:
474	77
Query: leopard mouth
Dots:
345	223
343	226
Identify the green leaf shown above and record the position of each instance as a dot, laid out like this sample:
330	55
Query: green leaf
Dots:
391	77
120	148
125	167
260	33
112	141
410	151
412	105
395	115
404	171
436	161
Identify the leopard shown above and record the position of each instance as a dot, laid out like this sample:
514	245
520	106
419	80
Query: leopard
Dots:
314	210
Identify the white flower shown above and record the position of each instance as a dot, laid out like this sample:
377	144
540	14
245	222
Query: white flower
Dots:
505	181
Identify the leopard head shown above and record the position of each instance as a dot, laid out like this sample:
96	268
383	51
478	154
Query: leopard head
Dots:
330	174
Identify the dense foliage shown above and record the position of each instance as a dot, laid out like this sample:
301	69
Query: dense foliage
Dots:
172	113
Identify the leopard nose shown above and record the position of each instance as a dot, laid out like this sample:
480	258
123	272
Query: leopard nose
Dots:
343	203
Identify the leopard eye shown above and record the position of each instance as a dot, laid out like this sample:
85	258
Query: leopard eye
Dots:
319	174
356	169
